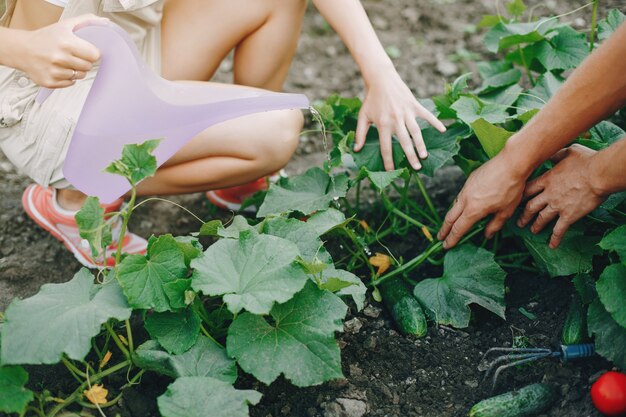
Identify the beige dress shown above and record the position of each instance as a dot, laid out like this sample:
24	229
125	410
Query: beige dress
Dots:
35	137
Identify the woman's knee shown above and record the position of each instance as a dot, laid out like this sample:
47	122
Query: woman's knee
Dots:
279	146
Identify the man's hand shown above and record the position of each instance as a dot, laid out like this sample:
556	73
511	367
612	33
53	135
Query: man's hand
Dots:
566	192
495	188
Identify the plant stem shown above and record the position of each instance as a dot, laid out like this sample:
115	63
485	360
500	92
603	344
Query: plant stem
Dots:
429	202
594	24
526	67
389	205
125	219
418	260
359	253
117	340
73	369
129	336
211	338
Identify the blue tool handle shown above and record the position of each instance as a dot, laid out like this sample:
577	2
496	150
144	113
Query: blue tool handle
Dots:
570	352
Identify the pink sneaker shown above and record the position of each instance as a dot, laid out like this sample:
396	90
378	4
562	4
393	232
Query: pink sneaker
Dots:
233	197
40	204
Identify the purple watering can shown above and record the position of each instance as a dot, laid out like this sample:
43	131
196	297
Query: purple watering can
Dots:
128	103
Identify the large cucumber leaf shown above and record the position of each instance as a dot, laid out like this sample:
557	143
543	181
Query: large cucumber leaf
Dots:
205	397
610	338
612	292
61	318
298	341
176	332
251	273
143	277
205	358
312	191
616	241
471	276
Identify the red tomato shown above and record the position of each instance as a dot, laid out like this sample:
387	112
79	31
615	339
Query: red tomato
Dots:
609	394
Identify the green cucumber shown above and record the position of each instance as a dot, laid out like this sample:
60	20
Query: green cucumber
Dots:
404	307
575	326
528	401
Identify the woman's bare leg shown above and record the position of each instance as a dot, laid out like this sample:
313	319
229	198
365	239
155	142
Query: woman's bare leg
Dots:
243	149
198	34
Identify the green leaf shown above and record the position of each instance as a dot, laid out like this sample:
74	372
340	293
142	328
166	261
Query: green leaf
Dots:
382	179
251	273
306	193
238	225
537	97
586	288
205	359
176	332
92	227
616	241
442	147
492	138
137	161
61	318
504	35
566	50
606	27
501	79
344	283
612	292
14	397
488	69
205	397
607	132
574	255
610	340
306	234
470	109
516	8
210	228
143	277
488	21
504	96
179	293
298	342
371	158
471	276
458	86
190	247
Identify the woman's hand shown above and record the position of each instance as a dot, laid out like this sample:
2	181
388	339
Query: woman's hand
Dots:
391	106
53	56
566	192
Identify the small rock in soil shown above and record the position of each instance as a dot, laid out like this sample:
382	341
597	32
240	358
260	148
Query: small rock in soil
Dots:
355	370
345	407
353	326
372	311
370	343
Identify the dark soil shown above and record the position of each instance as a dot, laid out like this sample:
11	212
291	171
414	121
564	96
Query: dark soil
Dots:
392	375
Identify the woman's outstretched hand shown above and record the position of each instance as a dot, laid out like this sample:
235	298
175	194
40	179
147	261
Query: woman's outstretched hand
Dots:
391	106
53	56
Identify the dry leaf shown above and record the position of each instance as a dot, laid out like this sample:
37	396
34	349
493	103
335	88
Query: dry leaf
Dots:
97	394
381	261
365	226
123	339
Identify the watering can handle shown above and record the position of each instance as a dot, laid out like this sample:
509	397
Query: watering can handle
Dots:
44	92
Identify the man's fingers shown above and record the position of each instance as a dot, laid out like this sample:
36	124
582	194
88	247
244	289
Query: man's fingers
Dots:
386	149
451	217
559	232
544	217
407	146
534	187
560	155
533	207
460	227
431	119
362	126
418	139
496	224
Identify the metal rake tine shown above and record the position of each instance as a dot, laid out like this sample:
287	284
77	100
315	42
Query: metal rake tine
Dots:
522	361
517	352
